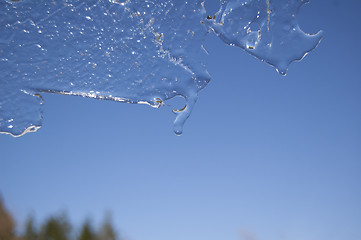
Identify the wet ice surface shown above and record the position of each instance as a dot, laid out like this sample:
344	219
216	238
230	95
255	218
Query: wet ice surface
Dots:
266	29
132	51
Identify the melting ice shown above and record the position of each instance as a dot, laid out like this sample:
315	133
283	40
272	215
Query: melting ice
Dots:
266	29
131	51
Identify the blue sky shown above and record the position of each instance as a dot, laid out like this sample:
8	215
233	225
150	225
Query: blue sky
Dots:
261	157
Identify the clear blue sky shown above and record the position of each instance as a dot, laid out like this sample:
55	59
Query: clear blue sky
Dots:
262	156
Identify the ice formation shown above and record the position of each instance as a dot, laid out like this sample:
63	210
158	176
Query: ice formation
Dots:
266	29
132	51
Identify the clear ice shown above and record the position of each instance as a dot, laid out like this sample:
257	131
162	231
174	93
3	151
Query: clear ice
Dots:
266	29
131	51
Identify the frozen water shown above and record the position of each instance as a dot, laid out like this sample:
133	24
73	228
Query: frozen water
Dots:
131	51
266	29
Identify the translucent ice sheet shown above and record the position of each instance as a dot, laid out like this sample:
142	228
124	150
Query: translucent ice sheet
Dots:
266	29
132	51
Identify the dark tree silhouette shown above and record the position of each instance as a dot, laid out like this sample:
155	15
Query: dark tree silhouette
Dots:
7	225
30	230
107	231
56	228
87	232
